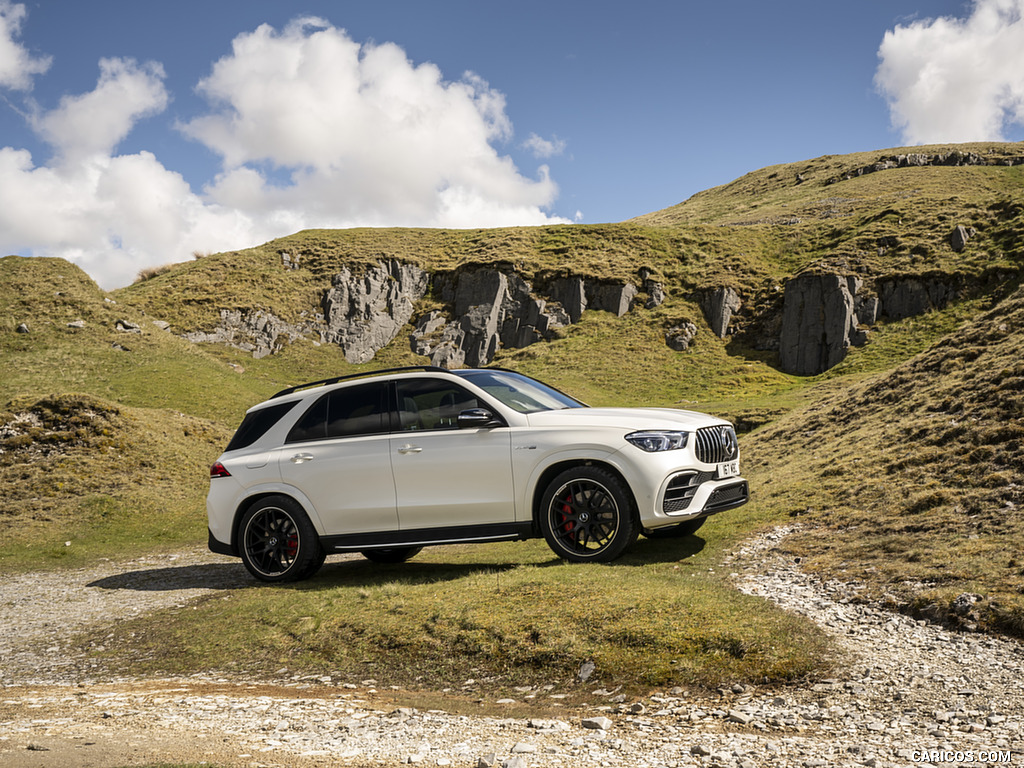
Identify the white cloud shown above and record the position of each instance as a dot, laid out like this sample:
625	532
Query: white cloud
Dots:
17	65
360	135
952	80
94	123
368	137
541	147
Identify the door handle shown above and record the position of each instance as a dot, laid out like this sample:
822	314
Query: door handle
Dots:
300	458
409	448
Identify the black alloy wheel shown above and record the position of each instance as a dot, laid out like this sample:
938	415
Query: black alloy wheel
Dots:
586	515
277	542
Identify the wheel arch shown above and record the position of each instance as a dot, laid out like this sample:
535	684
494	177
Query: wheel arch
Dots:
263	493
555	469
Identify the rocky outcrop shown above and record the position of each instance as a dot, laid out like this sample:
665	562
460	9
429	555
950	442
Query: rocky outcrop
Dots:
818	323
255	331
824	315
719	305
491	309
921	160
909	295
577	294
364	314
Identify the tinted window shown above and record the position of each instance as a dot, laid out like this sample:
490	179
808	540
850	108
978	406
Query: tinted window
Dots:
346	412
256	424
356	411
432	404
312	425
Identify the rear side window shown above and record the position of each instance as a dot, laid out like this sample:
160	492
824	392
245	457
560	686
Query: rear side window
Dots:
257	423
346	412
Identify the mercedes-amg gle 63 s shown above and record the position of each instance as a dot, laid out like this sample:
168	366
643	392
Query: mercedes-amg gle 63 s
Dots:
389	462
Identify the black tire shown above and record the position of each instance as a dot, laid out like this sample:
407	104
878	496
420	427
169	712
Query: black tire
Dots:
587	515
391	554
277	542
680	531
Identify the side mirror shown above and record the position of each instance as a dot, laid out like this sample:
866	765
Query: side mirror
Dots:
477	418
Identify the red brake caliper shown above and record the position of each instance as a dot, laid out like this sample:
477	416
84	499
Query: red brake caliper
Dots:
567	524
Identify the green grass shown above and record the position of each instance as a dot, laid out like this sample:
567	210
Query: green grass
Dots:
502	615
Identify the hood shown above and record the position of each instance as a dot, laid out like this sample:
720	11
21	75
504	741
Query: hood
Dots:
626	418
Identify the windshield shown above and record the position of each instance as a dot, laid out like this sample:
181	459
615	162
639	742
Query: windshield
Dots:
519	392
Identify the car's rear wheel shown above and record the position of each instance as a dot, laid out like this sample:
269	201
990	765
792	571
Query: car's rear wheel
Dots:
277	542
391	554
680	531
587	515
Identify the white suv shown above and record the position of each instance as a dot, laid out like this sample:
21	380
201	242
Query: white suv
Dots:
389	462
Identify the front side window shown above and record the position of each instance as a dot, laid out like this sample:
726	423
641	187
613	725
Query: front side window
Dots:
431	404
521	393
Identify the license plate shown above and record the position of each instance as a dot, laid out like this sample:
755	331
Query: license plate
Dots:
729	469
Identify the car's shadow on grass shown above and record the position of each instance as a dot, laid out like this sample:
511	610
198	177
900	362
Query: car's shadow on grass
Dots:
646	551
180	577
361	572
225	576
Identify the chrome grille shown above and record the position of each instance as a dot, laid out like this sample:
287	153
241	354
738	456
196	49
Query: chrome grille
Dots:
717	444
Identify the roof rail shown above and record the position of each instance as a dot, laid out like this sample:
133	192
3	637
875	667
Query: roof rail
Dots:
336	379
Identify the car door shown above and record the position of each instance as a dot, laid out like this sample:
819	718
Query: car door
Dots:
446	476
338	455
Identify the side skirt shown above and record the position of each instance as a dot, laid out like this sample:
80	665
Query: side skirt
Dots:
426	537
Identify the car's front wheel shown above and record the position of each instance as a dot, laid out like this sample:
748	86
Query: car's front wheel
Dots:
587	515
277	542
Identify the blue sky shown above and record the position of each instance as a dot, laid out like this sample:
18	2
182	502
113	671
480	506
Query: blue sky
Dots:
134	133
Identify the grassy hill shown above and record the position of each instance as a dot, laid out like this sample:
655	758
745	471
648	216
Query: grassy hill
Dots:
903	463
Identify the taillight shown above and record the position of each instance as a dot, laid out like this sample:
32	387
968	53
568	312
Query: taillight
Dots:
218	470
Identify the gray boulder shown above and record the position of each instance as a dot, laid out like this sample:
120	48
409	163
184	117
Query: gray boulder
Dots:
680	337
959	236
818	323
571	293
719	305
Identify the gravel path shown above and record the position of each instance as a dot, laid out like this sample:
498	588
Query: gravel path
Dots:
905	691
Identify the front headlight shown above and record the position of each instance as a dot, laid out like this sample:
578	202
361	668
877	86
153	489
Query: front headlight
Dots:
658	441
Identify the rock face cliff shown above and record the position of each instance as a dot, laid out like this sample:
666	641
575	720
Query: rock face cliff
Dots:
818	323
485	309
819	318
363	315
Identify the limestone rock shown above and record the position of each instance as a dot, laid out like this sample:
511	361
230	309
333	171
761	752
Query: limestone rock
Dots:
364	314
818	322
959	236
255	331
719	305
680	337
492	309
907	296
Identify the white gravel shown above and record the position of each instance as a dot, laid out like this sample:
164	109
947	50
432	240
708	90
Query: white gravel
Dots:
904	691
